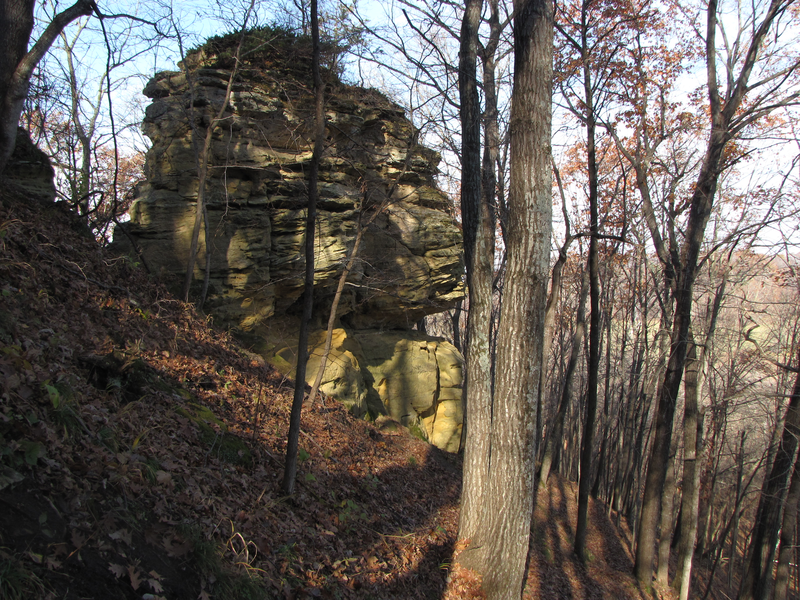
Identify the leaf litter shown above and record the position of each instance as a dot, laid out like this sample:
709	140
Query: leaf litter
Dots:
149	438
141	454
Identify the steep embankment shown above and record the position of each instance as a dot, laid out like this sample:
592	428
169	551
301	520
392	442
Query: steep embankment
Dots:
141	450
141	453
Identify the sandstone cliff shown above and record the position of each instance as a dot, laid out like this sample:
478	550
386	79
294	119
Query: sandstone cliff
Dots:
409	264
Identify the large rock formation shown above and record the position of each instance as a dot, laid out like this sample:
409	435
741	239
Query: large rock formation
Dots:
409	263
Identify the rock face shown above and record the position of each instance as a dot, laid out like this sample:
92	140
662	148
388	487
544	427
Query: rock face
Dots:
409	262
413	378
30	168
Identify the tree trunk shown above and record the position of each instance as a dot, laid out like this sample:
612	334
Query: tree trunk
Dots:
692	450
602	468
788	534
500	545
699	211
723	108
550	314
553	443
693	444
735	531
17	63
337	297
478	225
323	361
290	467
667	504
593	357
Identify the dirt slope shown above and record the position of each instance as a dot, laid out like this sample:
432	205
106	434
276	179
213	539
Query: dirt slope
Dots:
150	449
141	454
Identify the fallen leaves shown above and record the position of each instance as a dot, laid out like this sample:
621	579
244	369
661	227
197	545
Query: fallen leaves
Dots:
140	484
136	576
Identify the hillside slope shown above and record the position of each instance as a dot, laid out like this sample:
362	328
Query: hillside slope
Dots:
141	454
149	442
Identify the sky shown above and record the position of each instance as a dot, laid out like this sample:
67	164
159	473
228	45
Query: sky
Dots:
143	49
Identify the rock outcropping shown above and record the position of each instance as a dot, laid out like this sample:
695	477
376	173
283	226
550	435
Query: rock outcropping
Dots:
409	262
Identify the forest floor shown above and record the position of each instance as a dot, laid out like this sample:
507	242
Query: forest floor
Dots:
141	454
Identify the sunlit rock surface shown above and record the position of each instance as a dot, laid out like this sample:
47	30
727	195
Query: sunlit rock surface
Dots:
409	264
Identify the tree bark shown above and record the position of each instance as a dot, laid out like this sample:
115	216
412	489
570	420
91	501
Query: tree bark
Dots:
735	529
693	444
593	359
500	545
692	451
478	226
667	504
550	314
554	437
788	535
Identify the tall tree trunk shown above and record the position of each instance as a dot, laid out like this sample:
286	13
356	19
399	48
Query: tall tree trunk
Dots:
550	312
602	468
593	358
500	545
735	531
667	506
723	109
478	225
290	468
693	443
692	450
788	534
552	450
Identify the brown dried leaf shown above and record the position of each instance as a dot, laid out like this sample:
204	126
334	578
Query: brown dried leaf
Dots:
135	575
117	570
123	535
176	546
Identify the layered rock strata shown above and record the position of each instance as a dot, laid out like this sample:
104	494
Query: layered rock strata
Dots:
409	262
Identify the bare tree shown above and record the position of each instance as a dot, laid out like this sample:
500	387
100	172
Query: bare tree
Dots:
727	121
290	467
